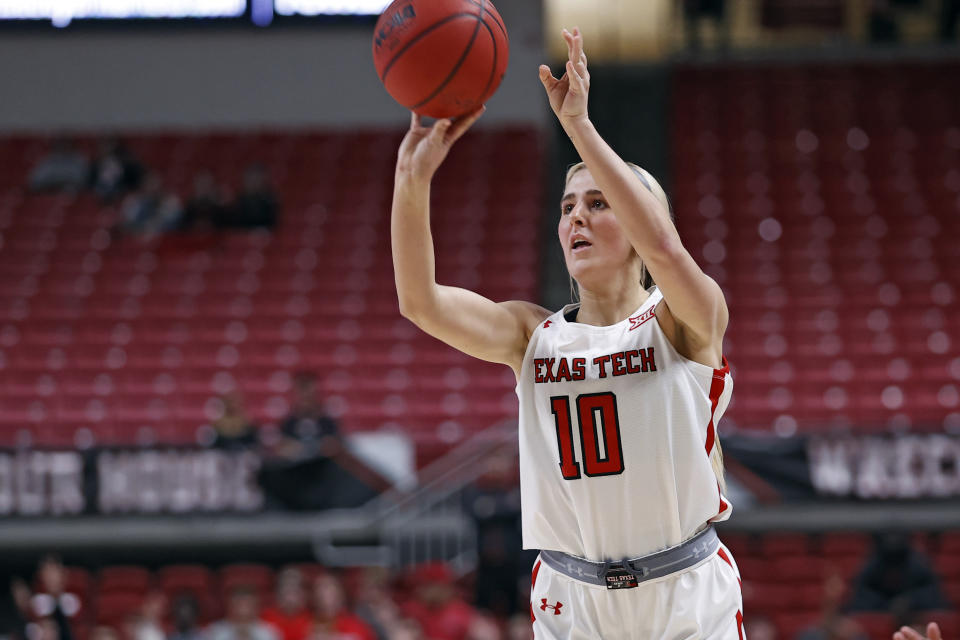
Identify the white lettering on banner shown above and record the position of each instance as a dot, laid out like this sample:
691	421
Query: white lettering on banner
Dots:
872	467
41	483
177	481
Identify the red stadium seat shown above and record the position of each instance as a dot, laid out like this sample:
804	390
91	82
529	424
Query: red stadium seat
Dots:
124	579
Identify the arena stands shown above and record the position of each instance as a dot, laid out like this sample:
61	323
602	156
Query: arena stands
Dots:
114	339
825	200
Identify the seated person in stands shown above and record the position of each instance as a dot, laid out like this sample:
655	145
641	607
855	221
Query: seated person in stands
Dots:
234	430
307	431
332	618
185	614
151	209
114	170
255	205
206	207
243	618
64	168
289	615
897	578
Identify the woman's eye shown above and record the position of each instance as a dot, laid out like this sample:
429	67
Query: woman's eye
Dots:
567	208
599	204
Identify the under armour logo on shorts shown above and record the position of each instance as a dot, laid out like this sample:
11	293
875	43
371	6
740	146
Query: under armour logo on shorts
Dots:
556	607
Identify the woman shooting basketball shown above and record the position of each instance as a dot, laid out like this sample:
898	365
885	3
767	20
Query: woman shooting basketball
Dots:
619	394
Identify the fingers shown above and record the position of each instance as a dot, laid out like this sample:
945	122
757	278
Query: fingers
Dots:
414	120
577	85
933	631
547	78
906	633
463	123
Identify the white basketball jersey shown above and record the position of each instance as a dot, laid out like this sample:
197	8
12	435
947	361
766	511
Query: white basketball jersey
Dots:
616	431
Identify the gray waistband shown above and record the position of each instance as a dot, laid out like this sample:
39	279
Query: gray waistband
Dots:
651	567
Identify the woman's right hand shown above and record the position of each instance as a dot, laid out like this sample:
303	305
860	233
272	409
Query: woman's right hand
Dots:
424	148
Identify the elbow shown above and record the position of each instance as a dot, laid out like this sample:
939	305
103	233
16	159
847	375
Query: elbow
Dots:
666	248
414	310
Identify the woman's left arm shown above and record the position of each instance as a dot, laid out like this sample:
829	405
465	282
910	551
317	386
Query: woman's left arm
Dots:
694	299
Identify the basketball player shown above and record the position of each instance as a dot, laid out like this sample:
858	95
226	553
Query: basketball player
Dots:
620	394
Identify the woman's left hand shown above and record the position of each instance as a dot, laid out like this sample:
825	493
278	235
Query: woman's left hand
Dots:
568	95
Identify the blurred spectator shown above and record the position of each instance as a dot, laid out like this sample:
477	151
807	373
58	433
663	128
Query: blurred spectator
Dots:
54	602
234	430
290	615
438	608
206	207
103	632
114	170
519	627
503	572
759	627
483	628
897	578
14	607
949	17
256	204
833	625
331	617
64	168
242	621
44	629
407	629
148	625
307	431
375	605
186	614
883	23
694	11
150	209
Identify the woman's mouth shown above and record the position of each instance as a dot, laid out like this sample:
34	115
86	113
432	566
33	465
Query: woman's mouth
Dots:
579	245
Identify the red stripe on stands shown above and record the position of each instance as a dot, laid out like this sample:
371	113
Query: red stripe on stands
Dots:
716	390
533	583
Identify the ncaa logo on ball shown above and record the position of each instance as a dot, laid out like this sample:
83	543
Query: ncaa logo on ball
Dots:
393	25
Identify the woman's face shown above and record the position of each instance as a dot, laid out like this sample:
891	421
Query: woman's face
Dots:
594	244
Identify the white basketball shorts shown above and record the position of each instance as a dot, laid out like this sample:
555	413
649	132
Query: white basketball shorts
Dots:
702	602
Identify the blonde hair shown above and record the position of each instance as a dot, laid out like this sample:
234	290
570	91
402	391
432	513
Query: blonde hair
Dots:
646	281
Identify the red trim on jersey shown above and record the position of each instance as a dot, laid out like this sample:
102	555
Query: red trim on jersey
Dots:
533	583
716	390
740	624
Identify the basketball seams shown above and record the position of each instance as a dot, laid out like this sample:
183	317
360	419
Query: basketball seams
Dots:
463	57
453	93
496	19
493	66
423	34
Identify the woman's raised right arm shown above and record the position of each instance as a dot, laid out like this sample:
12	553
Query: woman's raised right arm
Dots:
467	321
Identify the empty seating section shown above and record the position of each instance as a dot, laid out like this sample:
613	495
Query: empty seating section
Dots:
826	201
106	338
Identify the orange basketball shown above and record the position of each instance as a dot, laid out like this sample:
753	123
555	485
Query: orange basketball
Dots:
441	58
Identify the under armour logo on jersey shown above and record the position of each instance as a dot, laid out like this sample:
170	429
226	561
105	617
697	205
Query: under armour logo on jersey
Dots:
556	607
573	567
636	321
547	324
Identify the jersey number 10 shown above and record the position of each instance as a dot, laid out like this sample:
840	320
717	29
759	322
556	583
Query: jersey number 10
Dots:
600	443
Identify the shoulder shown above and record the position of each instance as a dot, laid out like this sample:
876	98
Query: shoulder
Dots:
706	351
529	315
